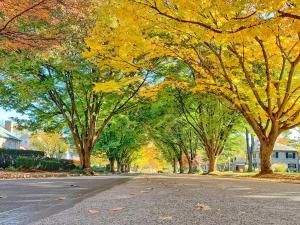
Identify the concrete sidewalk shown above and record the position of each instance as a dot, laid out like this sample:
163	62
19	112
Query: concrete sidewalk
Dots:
187	200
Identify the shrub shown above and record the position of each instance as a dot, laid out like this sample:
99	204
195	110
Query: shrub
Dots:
49	165
99	169
279	167
67	164
8	157
26	163
197	170
78	170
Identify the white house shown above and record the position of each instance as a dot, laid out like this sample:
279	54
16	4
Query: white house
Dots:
7	138
282	154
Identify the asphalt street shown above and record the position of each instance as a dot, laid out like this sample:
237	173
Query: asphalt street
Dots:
180	200
25	201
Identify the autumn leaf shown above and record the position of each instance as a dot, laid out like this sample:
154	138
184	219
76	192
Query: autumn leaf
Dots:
117	209
166	218
61	198
202	206
93	211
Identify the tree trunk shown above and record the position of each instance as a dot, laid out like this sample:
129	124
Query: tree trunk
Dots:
122	168
174	166
190	166
266	149
128	168
212	164
189	159
180	166
112	165
250	149
118	166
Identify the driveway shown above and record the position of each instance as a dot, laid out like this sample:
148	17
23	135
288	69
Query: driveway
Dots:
26	201
186	200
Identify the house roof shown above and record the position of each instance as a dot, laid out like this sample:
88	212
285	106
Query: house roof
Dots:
8	135
281	147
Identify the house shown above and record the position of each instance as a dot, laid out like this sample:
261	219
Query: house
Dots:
7	138
282	154
239	162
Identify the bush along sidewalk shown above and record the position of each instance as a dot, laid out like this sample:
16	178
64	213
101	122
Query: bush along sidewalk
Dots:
46	164
8	157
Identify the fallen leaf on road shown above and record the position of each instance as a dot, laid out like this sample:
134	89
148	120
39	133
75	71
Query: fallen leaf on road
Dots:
93	211
203	206
61	198
132	194
149	188
166	217
117	209
144	191
1	196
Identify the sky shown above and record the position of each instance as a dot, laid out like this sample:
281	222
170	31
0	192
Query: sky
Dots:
5	115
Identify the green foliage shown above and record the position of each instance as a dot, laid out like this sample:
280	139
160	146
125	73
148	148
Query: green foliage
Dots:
78	170
197	170
67	164
27	163
49	165
100	169
43	164
8	156
121	139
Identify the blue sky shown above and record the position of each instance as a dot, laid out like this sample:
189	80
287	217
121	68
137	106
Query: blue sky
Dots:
5	115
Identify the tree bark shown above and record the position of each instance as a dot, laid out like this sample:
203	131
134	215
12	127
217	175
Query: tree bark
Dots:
190	166
112	165
174	166
127	168
212	164
250	149
266	149
122	168
119	165
181	170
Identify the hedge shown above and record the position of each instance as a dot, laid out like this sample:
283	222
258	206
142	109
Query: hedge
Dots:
8	156
49	165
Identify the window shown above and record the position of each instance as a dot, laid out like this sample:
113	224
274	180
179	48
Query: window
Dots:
275	155
290	155
292	166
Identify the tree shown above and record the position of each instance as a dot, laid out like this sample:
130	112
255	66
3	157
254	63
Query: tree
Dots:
121	141
53	144
66	96
247	52
211	119
37	24
169	132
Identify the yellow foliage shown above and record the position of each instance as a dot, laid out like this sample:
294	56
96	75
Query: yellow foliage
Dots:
115	86
245	51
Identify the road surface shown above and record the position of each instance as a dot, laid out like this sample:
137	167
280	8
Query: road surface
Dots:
25	201
187	200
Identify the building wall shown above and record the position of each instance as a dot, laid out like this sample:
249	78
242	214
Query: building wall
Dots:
281	159
9	143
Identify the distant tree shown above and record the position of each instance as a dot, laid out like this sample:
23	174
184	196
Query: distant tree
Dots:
53	144
121	141
212	120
